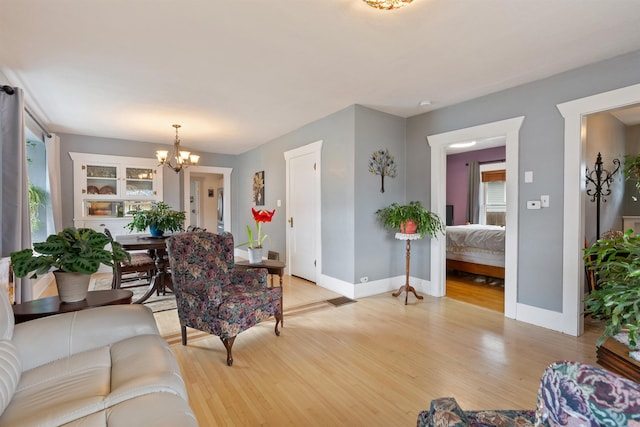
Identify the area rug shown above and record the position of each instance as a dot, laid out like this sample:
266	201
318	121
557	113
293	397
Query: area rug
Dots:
156	303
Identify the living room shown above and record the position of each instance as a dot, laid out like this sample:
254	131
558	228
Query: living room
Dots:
544	284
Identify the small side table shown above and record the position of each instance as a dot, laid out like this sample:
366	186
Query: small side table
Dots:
273	267
407	287
52	305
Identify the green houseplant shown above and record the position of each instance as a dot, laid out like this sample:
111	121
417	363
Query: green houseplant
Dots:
396	217
158	219
75	254
616	300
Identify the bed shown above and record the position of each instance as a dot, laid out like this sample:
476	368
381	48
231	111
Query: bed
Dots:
477	249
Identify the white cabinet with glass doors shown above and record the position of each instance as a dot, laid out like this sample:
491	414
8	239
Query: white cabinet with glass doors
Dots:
107	188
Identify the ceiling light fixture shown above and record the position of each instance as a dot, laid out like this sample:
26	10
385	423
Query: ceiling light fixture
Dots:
387	4
178	159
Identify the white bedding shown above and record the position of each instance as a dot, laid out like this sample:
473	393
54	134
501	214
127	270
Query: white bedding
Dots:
479	244
488	237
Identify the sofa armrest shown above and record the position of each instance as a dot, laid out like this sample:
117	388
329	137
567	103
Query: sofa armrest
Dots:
51	338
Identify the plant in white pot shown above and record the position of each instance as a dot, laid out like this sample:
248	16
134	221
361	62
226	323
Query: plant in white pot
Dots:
75	254
255	248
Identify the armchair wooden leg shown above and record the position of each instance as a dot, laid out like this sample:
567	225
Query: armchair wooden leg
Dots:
228	343
279	319
183	329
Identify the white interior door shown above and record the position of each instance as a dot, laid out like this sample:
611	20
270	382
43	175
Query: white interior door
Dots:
303	212
194	203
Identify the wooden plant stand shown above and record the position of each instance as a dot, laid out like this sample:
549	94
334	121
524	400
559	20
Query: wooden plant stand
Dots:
407	287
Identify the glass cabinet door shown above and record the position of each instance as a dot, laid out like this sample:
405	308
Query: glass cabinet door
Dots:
139	182
103	208
102	180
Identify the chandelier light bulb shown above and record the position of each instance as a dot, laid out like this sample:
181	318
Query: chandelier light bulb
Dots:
387	4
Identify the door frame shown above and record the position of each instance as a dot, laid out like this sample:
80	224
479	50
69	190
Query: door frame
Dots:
314	148
439	143
226	172
574	113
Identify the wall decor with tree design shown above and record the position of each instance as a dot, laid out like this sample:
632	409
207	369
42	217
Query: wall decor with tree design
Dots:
382	163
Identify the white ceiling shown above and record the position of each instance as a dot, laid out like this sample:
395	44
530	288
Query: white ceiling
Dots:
238	73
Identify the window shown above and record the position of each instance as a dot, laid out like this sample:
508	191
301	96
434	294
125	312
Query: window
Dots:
39	200
493	194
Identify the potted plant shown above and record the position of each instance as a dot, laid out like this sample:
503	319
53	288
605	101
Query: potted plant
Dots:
255	245
158	219
616	299
411	218
75	254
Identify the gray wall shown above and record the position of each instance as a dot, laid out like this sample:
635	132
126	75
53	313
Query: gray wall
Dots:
632	196
337	133
172	182
377	254
605	135
541	150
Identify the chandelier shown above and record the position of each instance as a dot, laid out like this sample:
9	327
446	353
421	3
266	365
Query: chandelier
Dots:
178	159
387	4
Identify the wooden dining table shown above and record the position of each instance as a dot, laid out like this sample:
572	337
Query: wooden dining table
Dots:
157	248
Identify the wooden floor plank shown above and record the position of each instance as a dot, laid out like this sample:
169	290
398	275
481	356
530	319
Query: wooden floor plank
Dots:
376	362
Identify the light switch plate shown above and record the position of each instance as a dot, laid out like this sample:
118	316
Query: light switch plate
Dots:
544	201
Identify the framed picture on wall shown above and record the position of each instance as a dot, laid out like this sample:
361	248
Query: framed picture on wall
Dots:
258	188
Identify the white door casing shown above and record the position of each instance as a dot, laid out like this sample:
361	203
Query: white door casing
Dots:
303	211
439	143
574	113
226	173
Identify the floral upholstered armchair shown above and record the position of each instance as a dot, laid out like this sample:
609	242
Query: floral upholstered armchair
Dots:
570	394
212	296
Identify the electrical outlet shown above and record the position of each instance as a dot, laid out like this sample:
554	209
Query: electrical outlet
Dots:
364	279
533	204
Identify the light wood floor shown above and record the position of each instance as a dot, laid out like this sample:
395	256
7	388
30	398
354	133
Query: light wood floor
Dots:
376	362
465	288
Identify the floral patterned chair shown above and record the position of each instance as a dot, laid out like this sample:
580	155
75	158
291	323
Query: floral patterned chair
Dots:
212	296
570	394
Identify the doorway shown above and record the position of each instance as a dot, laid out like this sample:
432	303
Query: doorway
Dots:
476	231
574	113
211	183
440	143
304	209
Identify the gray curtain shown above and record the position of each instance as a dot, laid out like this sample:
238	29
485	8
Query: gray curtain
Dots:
14	203
473	192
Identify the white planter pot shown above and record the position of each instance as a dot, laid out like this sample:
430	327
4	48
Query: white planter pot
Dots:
72	287
255	255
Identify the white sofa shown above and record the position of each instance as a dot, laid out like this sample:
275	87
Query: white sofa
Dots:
105	366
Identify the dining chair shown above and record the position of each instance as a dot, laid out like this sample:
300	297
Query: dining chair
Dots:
212	295
140	269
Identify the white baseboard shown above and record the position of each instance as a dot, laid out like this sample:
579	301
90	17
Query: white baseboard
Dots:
375	287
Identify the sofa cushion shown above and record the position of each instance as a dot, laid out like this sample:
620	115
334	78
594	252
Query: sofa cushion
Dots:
10	370
61	391
142	365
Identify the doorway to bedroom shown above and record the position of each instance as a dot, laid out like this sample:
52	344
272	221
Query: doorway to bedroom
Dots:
476	217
